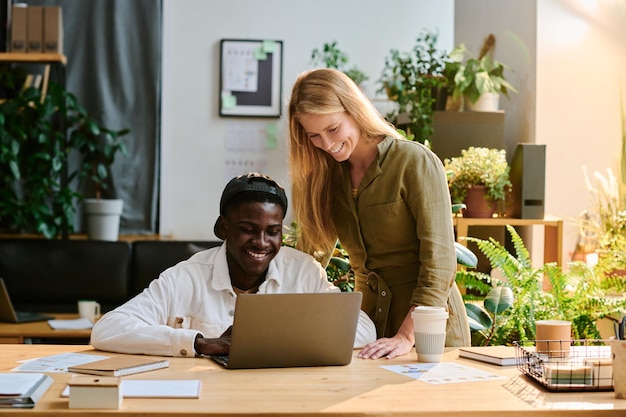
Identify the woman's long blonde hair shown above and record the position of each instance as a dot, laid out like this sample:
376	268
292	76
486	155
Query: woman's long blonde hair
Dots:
314	173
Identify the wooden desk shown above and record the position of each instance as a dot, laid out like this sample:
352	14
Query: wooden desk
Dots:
19	333
359	389
553	232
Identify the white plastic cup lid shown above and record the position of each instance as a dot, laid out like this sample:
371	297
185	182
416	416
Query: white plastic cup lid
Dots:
429	310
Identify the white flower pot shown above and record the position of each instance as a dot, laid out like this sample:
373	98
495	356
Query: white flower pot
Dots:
103	218
486	102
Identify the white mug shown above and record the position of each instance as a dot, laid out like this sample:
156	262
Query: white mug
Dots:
89	309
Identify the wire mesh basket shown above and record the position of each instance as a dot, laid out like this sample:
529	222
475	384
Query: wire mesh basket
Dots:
567	365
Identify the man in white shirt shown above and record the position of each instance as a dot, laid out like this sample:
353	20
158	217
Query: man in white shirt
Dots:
189	309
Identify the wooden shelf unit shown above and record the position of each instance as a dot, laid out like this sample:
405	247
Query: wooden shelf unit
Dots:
25	57
553	232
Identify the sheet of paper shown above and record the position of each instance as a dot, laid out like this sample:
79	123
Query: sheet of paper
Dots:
57	363
443	373
74	324
148	388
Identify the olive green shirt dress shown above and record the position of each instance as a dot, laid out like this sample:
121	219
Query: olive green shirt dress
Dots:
399	235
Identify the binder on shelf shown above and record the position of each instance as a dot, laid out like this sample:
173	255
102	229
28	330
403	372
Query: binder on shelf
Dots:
19	27
52	30
22	390
34	33
120	366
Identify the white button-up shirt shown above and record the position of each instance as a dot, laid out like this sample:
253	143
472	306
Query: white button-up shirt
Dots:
196	296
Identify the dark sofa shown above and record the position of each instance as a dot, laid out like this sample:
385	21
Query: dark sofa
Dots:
52	275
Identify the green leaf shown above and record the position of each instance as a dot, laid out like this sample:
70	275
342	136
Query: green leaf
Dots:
457	207
499	299
464	256
476	314
342	264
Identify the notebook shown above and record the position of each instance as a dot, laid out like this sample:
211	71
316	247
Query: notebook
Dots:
498	355
120	366
8	313
292	330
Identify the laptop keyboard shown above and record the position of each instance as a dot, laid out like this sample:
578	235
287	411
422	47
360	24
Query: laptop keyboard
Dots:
25	316
221	359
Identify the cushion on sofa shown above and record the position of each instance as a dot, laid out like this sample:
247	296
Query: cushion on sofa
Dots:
52	275
151	257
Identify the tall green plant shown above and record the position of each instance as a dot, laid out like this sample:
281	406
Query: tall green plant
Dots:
34	192
38	137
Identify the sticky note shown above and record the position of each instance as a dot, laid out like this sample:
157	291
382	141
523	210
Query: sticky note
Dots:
271	135
268	46
228	101
259	54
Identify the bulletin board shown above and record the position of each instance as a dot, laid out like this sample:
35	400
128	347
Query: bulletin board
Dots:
250	77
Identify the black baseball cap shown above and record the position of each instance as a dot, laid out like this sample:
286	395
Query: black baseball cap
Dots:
250	182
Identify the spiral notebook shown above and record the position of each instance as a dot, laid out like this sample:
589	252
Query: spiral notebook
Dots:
120	366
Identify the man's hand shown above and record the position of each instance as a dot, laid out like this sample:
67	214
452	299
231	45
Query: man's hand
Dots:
217	346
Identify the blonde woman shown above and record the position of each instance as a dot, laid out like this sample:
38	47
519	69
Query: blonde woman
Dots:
385	198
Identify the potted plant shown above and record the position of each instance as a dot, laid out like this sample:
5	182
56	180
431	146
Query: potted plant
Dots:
479	80
330	56
415	81
39	136
479	178
98	147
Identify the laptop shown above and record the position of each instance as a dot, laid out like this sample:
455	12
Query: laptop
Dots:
8	313
292	330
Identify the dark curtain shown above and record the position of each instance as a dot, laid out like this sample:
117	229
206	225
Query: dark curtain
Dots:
113	50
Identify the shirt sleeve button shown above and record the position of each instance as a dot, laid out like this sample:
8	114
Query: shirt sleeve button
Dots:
383	293
183	352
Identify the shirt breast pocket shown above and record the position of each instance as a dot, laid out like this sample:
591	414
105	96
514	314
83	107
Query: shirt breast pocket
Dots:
179	322
388	225
210	330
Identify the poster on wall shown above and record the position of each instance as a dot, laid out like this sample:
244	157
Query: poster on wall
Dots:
250	77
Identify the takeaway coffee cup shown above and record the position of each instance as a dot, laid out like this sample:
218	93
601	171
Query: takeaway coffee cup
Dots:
429	325
553	337
88	309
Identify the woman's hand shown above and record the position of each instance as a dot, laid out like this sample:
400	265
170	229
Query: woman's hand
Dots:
387	346
398	345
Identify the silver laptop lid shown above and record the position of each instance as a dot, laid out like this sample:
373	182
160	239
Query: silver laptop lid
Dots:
7	313
289	330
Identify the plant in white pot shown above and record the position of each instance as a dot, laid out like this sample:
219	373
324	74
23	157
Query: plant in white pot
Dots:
483	171
98	147
479	81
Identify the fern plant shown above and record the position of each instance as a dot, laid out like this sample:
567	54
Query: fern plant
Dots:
577	294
